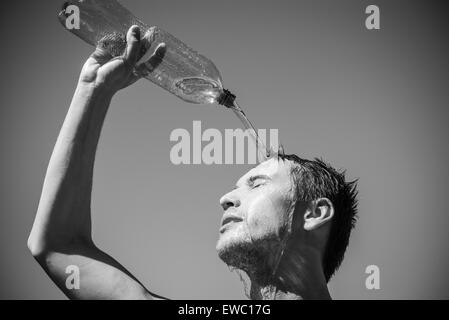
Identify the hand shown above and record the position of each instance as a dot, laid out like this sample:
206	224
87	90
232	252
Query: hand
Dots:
104	72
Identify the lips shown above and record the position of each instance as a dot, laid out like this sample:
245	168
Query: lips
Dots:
228	218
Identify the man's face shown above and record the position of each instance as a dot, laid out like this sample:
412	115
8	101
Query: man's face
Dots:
257	210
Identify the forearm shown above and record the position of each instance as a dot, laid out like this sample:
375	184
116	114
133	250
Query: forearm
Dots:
63	215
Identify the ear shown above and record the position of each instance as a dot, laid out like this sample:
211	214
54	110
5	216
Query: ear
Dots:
318	213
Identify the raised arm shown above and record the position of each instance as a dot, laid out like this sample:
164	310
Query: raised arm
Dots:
61	237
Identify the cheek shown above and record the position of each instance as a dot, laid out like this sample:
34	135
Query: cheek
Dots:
266	216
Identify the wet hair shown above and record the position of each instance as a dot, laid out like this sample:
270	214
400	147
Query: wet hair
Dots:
316	179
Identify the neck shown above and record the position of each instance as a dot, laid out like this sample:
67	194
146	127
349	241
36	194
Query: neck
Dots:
299	275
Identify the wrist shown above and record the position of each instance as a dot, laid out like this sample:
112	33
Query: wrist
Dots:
95	91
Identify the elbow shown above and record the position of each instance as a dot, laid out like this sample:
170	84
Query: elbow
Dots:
38	241
34	247
41	246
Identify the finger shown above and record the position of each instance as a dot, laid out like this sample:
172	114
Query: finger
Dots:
132	45
158	56
154	58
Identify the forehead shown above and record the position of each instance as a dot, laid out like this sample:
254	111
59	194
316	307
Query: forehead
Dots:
276	170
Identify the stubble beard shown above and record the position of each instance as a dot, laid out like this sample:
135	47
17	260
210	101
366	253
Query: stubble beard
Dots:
257	258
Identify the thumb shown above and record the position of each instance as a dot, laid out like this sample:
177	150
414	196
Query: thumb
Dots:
132	45
154	58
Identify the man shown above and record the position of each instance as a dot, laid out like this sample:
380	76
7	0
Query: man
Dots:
286	224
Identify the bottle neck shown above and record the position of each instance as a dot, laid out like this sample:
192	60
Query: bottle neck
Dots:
226	99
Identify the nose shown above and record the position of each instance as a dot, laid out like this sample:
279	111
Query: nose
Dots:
229	200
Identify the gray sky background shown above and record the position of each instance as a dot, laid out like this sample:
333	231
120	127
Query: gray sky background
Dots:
372	102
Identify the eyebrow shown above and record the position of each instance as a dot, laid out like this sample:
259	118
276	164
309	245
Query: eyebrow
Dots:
254	178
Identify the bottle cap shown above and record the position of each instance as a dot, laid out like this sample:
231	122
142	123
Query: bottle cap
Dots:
226	99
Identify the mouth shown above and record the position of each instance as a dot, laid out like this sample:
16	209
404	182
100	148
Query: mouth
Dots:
227	220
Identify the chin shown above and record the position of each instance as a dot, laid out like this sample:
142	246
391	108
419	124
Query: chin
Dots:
231	244
254	256
237	250
229	240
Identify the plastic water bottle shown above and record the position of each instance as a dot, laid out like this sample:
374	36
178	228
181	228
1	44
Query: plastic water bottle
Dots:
181	71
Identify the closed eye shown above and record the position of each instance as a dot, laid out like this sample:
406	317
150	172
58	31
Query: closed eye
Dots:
254	186
257	181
